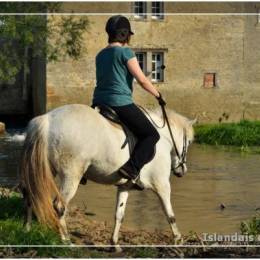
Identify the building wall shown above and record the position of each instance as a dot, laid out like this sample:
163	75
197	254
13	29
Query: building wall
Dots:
194	44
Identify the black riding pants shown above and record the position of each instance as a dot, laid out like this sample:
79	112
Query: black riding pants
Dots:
147	135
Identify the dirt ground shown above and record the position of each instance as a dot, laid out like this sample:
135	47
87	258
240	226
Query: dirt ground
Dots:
85	231
88	232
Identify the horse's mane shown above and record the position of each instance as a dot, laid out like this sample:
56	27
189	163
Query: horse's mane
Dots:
175	119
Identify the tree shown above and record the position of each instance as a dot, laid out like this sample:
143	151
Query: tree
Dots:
49	36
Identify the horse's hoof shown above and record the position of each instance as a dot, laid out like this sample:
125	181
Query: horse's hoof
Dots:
118	249
28	227
67	241
178	240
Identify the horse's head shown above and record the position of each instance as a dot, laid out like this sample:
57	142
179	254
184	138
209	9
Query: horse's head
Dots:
183	134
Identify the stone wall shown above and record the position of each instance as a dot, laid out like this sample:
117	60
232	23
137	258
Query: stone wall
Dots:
194	45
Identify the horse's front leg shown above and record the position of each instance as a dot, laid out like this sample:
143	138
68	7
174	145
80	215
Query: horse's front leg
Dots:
164	193
122	196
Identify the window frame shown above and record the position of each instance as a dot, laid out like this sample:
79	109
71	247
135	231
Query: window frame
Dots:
155	72
138	15
144	67
160	15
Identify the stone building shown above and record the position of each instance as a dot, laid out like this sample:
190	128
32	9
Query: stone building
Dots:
211	54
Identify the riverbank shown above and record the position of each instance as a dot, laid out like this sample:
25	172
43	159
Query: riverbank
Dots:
244	134
84	231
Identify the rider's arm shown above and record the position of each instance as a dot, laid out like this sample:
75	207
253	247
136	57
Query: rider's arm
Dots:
137	72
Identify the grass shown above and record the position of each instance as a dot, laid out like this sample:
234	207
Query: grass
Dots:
244	134
251	227
145	253
12	232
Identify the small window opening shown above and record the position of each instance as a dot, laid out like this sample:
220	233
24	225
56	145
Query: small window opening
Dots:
209	80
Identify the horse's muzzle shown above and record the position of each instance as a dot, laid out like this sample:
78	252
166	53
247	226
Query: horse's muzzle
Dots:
178	174
180	171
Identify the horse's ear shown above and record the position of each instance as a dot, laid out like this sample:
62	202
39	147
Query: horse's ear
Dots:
193	121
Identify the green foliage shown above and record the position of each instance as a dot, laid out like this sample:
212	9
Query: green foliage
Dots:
12	232
12	206
251	227
145	252
29	36
243	134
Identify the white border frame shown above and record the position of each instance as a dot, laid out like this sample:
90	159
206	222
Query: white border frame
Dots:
131	13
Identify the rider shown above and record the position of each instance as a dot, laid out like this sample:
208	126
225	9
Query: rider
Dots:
116	66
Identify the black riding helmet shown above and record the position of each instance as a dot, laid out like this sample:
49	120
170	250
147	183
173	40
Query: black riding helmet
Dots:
118	24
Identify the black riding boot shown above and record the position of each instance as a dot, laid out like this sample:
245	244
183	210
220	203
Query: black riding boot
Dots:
129	171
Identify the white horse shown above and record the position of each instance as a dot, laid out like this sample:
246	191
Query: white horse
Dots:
75	141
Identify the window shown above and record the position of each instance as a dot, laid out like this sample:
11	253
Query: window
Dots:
140	9
157	66
152	63
209	80
157	10
141	57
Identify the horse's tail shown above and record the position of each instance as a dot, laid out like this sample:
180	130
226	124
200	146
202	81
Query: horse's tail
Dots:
36	174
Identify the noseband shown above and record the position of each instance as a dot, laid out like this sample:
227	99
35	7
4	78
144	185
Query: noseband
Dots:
182	158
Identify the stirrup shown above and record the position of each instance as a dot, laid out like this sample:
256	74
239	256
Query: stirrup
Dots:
132	183
123	172
137	184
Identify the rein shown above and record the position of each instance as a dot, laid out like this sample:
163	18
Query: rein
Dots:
182	157
184	149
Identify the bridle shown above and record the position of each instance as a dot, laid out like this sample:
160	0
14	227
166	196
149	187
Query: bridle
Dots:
182	156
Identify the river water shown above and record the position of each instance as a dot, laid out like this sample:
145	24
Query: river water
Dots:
214	177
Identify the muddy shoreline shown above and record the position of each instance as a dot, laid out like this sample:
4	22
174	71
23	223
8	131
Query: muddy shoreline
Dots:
84	231
135	243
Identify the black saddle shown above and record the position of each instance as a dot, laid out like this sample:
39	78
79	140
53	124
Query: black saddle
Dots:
111	115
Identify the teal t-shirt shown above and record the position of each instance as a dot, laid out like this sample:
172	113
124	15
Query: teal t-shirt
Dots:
113	79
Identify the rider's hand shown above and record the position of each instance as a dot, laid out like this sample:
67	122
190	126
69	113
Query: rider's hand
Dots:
161	100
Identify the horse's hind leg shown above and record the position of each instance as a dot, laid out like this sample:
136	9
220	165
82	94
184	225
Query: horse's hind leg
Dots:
68	188
122	196
28	211
28	220
164	193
